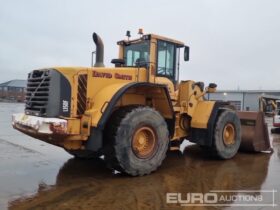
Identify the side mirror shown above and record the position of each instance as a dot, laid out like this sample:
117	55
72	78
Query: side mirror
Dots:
187	53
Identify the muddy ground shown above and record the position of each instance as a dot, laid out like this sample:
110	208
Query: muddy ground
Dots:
35	175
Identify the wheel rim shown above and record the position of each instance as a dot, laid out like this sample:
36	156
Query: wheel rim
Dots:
229	134
144	142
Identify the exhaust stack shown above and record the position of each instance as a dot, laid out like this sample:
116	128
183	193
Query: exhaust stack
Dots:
99	59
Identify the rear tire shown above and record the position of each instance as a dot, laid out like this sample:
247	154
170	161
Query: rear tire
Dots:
227	135
136	140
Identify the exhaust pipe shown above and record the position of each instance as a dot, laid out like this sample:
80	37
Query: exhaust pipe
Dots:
99	50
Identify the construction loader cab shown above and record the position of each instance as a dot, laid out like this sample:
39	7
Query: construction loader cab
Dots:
157	54
131	114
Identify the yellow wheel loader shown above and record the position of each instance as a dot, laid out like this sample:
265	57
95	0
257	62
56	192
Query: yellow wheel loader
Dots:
134	112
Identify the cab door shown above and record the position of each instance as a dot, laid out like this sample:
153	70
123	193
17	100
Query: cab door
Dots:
166	61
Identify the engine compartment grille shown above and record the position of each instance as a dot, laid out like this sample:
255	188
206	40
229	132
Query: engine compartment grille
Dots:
37	92
82	94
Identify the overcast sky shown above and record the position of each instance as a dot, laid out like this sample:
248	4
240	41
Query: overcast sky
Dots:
234	43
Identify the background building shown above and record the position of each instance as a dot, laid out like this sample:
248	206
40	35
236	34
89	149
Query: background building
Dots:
247	100
13	90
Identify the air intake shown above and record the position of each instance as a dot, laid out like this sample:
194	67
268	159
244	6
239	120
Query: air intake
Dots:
82	94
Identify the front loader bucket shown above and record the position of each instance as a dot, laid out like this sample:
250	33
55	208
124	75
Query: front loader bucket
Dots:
254	132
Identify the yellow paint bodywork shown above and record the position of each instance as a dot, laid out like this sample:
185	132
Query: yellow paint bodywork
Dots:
202	114
100	102
100	91
73	126
189	106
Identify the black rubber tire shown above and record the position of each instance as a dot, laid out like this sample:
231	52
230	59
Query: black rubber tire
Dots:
219	148
83	154
118	137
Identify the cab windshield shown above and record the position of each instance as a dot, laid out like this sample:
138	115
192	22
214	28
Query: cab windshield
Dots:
137	53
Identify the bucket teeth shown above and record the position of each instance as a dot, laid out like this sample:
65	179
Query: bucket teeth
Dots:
254	132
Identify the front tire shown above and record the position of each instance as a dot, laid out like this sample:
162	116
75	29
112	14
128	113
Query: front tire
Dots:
227	135
136	140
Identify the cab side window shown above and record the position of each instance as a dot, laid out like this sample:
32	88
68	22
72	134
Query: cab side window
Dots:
131	57
166	58
135	52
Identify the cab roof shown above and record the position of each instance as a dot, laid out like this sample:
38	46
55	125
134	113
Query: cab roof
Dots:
178	43
149	36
